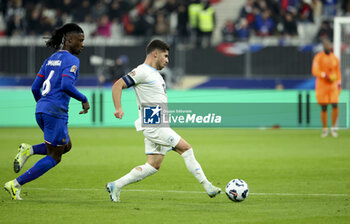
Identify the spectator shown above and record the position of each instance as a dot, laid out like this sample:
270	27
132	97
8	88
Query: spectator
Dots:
98	10
66	6
82	13
3	7
247	11
15	7
141	25
206	24
290	6
228	31
170	6
305	12
264	24
46	25
178	19
15	26
289	25
33	22
193	9
182	20
273	5
325	32
103	27
115	11
242	30
161	24
329	9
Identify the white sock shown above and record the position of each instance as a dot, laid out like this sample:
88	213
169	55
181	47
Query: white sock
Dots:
135	175
195	168
31	152
15	182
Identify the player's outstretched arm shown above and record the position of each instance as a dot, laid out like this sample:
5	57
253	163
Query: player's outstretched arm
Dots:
116	94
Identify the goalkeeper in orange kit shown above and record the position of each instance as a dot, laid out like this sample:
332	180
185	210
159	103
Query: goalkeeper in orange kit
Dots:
326	68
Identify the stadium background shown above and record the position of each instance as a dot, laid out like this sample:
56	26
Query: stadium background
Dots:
268	55
263	75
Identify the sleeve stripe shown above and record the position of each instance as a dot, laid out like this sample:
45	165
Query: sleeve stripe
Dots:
65	75
128	80
40	75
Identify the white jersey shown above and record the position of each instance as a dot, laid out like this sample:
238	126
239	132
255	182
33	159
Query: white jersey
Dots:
149	88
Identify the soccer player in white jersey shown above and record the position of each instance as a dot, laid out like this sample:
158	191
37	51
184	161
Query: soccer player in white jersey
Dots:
149	87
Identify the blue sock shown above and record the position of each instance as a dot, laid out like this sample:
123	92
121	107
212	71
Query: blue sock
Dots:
39	168
39	149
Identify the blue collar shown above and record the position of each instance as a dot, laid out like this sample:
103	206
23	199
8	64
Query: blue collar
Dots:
150	67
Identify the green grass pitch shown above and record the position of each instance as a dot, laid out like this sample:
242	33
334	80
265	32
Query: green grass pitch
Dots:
294	176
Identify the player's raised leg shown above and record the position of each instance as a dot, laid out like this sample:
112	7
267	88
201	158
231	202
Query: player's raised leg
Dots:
53	157
136	174
186	151
25	151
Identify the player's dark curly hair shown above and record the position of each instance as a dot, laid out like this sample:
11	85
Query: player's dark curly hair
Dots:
57	37
157	44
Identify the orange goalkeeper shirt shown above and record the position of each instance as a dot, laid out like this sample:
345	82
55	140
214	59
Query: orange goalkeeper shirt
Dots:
326	65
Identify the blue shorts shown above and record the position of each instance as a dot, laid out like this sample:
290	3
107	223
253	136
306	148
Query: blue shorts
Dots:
55	129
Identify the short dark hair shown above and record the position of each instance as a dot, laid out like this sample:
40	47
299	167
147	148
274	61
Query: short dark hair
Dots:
157	44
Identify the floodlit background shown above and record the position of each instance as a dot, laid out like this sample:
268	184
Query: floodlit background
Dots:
249	60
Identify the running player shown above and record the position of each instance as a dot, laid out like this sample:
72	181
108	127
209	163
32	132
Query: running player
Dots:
150	88
56	78
326	68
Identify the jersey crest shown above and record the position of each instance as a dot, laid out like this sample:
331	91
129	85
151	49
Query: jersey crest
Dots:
73	68
132	73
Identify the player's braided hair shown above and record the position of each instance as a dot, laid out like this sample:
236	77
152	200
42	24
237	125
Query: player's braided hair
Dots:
57	37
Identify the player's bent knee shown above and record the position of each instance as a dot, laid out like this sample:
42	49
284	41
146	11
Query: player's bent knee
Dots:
182	146
55	152
68	147
58	159
155	165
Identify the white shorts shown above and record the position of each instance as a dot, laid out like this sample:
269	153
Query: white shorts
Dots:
160	140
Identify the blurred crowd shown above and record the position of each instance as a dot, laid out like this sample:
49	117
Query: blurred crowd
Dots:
181	20
281	18
135	17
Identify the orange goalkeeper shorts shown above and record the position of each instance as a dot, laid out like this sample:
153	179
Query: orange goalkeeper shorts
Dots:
327	96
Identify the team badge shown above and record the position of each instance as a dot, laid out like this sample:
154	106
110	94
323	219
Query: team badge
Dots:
132	73
171	139
73	68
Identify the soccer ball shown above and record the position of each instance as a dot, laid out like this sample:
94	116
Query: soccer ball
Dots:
237	190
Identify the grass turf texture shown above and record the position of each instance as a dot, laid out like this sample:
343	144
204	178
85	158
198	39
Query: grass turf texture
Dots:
297	163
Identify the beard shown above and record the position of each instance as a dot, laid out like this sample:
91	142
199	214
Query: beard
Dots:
159	66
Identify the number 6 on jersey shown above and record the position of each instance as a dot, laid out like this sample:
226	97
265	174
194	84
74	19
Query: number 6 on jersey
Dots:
47	84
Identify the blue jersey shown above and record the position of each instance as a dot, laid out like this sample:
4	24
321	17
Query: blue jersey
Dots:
54	96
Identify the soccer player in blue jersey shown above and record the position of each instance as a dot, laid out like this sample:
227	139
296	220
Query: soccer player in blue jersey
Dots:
52	90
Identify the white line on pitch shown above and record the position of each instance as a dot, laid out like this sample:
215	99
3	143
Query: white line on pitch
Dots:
187	192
